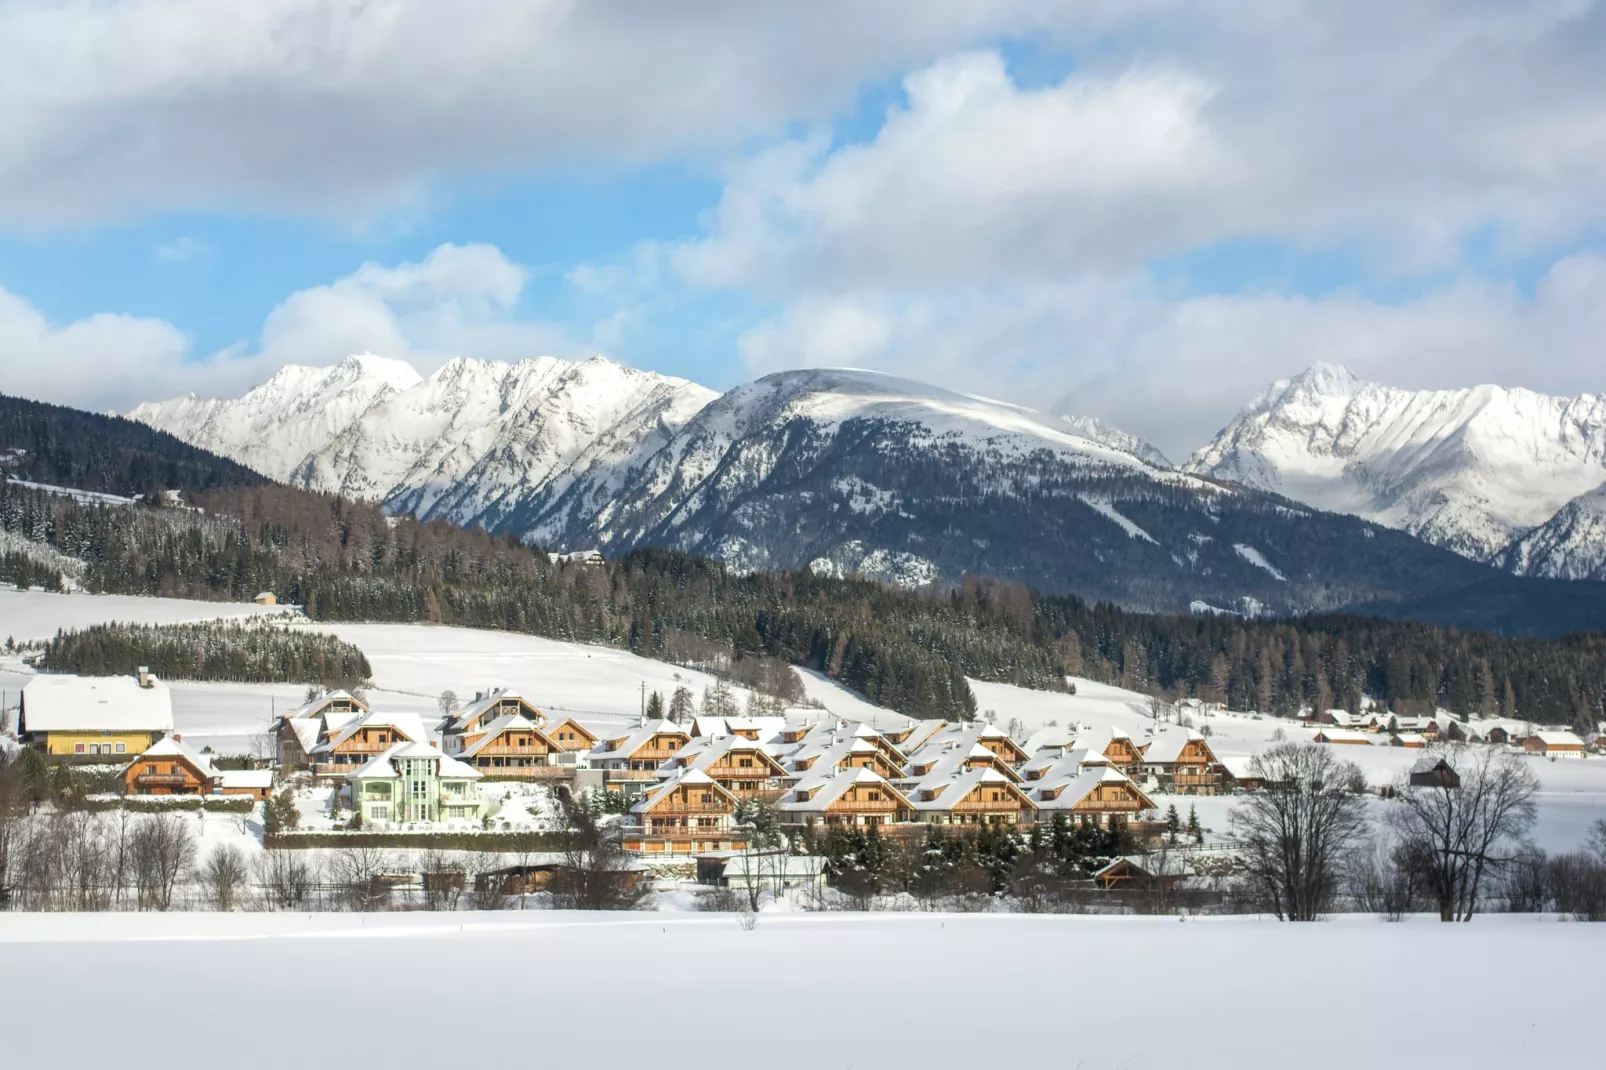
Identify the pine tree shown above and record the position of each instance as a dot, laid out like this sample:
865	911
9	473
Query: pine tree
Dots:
655	706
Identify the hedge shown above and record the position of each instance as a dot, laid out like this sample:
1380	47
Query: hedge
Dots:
455	840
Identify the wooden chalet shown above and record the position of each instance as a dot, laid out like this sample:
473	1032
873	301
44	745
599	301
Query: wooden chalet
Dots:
687	815
476	715
1124	754
361	740
171	767
1412	740
981	796
297	732
510	747
1183	763
1431	771
630	762
1343	737
1102	794
570	735
1141	872
739	765
1552	744
844	797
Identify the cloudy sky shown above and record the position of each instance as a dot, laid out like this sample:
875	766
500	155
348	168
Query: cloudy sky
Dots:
1138	209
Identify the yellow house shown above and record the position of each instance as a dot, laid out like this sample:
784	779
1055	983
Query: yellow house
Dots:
88	717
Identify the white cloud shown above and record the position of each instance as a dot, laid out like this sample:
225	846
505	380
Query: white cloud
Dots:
1173	370
182	250
116	108
457	300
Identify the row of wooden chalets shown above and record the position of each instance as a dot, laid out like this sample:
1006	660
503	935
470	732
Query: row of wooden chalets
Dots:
688	788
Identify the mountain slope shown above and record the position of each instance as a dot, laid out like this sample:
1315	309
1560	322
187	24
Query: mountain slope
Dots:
1570	545
1470	470
64	447
1106	434
275	425
850	471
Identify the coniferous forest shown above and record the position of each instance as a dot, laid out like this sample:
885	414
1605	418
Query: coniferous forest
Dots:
908	650
248	652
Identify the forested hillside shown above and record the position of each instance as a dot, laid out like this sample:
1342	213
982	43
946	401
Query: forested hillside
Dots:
909	650
109	455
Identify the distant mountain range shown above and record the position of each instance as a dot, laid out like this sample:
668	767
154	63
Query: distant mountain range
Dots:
840	471
1505	476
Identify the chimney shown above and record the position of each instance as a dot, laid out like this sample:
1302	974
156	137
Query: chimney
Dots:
177	738
144	675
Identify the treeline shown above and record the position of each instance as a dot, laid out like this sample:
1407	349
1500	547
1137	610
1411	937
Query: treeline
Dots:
907	650
23	571
256	653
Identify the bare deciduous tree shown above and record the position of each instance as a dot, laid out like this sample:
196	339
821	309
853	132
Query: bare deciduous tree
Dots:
223	876
596	873
285	879
1465	827
1295	834
162	850
358	870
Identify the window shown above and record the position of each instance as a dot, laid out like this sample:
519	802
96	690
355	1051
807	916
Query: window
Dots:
78	748
708	798
94	748
121	748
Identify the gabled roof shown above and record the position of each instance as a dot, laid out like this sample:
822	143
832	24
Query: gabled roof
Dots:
1348	735
687	778
956	787
461	718
506	722
311	707
1557	739
168	747
704	752
1168	746
383	766
408	724
636	739
829	786
947	752
63	703
1071	782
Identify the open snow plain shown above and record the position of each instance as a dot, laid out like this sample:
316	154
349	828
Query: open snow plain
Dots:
815	991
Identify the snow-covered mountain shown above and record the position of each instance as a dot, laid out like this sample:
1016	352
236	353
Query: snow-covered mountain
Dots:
1107	434
840	471
1473	470
1569	546
273	426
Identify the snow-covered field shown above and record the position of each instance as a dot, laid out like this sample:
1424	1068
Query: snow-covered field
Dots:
883	991
40	614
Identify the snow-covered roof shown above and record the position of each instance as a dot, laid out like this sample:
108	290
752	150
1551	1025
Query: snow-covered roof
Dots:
636	739
1344	735
703	752
1168	746
306	730
1557	739
408	724
255	779
687	777
62	703
383	767
1070	781
465	716
168	747
829	785
312	706
954	788
502	724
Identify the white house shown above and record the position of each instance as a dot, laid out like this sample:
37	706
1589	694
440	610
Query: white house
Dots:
415	783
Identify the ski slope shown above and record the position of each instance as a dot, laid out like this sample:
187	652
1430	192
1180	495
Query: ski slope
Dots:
1075	991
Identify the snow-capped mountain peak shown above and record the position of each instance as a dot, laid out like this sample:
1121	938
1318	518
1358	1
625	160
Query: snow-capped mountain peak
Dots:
1470	469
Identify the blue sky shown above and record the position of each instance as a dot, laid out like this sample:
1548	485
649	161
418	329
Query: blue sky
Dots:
1139	211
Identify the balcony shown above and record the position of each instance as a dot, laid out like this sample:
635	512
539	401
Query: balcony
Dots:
161	780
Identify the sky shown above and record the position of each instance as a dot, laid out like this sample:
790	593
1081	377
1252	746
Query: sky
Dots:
1142	210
